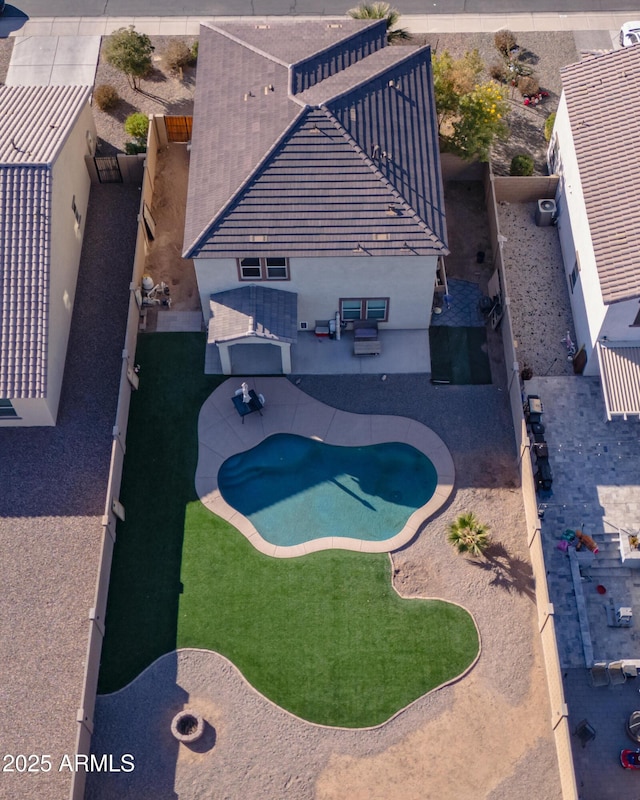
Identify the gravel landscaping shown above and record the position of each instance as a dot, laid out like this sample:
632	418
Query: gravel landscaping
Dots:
162	92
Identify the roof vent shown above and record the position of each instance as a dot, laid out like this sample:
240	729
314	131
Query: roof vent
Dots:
315	129
248	95
334	25
359	249
352	114
268	88
262	27
258	237
381	237
393	211
393	84
375	151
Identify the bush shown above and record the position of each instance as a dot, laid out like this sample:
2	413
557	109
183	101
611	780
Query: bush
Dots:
177	55
499	72
521	165
137	125
194	52
548	126
505	41
106	97
133	148
528	85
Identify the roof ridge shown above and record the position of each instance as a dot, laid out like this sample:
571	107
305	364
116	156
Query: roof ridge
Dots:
242	42
374	75
370	24
378	173
208	230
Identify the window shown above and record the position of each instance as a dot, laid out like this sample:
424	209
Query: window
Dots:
365	308
7	410
573	277
263	269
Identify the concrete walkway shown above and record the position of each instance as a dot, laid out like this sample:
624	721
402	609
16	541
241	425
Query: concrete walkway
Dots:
222	434
416	23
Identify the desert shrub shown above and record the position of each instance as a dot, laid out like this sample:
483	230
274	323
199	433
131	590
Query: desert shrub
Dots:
133	148
137	125
194	52
499	72
106	97
505	41
528	85
548	126
521	165
177	55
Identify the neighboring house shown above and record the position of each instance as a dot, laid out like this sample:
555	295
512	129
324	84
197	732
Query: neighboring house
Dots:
315	178
45	132
595	149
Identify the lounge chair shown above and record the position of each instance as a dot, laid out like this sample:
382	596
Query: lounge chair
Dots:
598	674
616	672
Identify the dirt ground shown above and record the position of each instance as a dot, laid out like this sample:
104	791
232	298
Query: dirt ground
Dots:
164	261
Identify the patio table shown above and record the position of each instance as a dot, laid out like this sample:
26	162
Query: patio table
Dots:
243	408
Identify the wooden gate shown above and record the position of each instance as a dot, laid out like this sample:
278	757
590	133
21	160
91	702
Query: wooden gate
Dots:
178	128
108	169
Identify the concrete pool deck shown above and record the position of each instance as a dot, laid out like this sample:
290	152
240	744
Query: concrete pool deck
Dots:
222	434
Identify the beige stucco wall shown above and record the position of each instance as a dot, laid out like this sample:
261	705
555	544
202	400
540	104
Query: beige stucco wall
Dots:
407	281
70	177
30	413
587	305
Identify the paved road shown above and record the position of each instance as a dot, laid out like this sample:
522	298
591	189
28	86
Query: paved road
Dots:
179	8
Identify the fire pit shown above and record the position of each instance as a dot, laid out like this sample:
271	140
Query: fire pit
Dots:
187	726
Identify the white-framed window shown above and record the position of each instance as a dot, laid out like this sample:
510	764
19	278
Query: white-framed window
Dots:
272	268
352	308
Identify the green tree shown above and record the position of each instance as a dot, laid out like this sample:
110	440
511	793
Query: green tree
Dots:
380	10
452	79
468	535
480	121
130	52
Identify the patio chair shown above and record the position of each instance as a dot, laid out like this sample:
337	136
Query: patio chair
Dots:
598	674
616	672
585	732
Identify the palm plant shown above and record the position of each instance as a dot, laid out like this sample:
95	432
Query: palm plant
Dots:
468	535
381	10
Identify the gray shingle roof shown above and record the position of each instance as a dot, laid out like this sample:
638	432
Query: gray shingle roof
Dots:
601	95
34	124
253	311
352	160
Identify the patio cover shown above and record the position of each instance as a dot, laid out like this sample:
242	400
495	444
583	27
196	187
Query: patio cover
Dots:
253	314
620	375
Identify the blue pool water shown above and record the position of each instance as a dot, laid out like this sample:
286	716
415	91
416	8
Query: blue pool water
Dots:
295	489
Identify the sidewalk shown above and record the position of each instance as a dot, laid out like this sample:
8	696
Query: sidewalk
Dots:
423	23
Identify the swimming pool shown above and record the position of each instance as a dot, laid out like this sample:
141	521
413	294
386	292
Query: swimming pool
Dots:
295	489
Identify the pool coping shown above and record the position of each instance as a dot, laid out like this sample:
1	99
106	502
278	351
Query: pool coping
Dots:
222	434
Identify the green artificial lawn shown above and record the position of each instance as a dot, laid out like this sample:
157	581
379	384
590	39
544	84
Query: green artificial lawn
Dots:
459	355
324	636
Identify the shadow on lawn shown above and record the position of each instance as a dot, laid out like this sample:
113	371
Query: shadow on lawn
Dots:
157	485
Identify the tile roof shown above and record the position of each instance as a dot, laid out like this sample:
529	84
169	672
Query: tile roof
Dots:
351	160
601	94
34	124
620	374
253	311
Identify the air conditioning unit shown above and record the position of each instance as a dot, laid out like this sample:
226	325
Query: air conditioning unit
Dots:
545	212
